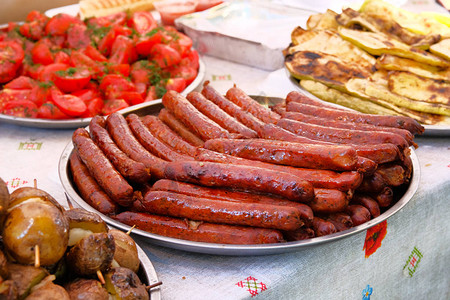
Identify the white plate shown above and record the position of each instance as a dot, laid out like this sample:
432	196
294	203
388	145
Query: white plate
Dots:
226	249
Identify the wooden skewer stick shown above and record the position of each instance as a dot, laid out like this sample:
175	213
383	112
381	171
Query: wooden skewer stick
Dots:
69	202
35	183
129	231
37	257
153	285
100	277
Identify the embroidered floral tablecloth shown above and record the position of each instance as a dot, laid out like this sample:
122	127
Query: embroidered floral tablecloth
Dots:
405	257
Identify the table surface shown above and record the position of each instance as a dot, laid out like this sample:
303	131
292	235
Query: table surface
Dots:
409	264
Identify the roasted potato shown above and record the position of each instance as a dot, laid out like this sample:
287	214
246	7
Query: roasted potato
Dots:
25	193
83	223
86	289
34	223
91	254
124	284
48	290
4	271
8	290
126	254
4	201
26	277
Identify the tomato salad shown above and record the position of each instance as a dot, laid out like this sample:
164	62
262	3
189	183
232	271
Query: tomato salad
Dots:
62	67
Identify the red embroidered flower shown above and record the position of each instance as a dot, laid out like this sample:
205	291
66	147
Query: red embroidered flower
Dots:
374	236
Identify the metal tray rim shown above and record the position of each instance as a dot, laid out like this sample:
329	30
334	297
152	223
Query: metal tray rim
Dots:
240	250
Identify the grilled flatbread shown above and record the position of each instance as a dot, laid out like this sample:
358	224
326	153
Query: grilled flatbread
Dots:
99	8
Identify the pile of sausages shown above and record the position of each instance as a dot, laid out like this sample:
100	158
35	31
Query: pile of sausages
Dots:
226	169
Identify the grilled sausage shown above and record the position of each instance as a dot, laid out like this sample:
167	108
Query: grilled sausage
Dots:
101	168
322	227
241	99
328	201
232	109
198	123
358	213
167	135
356	117
305	212
199	231
298	116
329	157
342	136
303	233
224	212
385	197
368	202
393	174
89	189
120	132
241	177
130	169
340	220
151	143
177	126
219	116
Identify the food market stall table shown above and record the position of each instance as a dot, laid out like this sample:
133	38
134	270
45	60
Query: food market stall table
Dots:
402	257
409	261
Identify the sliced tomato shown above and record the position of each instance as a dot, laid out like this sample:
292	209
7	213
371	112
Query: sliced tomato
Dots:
181	43
60	23
78	36
8	95
142	22
122	51
114	19
41	53
47	73
188	73
122	30
113	84
11	57
41	93
145	43
36	15
93	53
106	42
69	104
33	30
176	84
191	59
21	108
113	105
79	59
132	97
21	83
164	55
62	57
140	72
72	79
87	94
151	94
49	110
94	107
123	69
32	70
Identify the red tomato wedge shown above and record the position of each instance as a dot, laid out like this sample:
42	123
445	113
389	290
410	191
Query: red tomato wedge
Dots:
60	23
49	110
72	79
113	84
69	104
164	55
11	57
21	83
142	22
113	105
21	108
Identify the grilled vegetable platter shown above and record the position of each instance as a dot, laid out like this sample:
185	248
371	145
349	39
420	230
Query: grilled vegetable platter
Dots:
379	59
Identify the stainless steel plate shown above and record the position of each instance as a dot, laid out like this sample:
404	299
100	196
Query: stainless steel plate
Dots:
430	130
147	274
81	122
225	249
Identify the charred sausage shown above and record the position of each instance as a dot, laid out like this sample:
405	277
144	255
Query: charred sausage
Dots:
177	126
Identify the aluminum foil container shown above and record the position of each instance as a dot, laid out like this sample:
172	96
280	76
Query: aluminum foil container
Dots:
253	33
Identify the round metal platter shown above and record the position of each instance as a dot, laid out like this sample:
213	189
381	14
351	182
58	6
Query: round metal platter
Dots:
147	274
226	249
81	122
